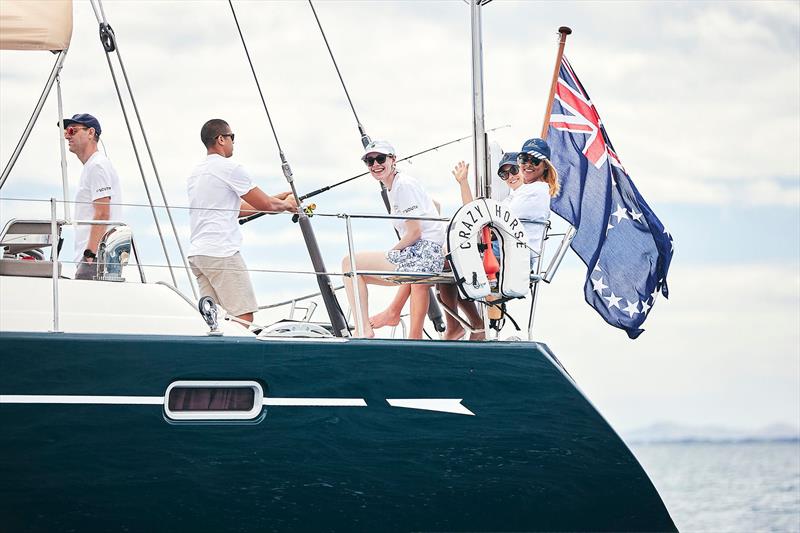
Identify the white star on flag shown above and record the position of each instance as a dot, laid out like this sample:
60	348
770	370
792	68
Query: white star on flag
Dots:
645	306
632	309
636	216
620	213
613	301
599	285
609	228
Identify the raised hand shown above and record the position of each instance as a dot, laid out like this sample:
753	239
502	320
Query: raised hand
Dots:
461	171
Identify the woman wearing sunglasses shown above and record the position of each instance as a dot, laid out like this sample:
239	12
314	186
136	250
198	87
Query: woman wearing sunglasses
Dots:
419	248
530	195
533	181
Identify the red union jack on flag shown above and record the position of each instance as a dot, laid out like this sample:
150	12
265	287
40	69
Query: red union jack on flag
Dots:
626	248
578	115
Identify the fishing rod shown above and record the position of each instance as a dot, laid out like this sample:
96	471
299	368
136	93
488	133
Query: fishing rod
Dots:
338	321
434	312
311	194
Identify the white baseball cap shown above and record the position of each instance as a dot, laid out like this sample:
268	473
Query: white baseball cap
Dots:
378	147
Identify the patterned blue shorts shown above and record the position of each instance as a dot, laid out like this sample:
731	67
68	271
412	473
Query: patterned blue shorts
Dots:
422	256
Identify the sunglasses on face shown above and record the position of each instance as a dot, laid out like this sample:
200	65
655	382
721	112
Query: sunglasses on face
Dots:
526	158
380	159
231	135
69	131
512	170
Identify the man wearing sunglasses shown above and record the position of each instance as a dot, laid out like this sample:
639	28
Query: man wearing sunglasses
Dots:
99	194
220	191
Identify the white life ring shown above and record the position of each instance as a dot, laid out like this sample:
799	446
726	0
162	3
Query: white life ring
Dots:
463	236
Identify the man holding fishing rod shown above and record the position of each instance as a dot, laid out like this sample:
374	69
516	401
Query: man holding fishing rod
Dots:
220	191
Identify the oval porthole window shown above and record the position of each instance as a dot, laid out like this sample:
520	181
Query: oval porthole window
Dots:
213	400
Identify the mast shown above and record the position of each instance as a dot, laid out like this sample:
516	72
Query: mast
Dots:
480	151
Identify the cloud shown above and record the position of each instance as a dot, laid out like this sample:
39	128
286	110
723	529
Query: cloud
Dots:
679	89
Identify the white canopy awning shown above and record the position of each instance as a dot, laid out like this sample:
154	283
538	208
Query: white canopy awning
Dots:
35	24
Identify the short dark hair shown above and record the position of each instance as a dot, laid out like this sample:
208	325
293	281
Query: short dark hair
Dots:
211	130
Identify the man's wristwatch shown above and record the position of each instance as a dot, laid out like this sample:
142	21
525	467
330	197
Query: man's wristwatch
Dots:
88	254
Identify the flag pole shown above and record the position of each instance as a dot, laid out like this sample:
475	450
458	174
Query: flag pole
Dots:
555	262
563	31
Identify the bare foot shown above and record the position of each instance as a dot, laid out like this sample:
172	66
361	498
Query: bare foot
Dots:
387	317
454	334
478	336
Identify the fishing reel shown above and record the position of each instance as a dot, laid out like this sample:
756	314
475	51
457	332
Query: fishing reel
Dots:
308	210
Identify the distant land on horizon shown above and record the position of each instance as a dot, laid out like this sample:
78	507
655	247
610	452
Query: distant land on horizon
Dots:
666	432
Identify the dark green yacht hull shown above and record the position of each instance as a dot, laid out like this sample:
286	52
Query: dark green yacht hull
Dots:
533	455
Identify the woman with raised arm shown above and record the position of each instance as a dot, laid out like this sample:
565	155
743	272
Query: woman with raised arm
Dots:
419	248
533	180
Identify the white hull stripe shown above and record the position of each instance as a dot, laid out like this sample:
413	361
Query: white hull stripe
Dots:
115	400
159	400
443	405
316	402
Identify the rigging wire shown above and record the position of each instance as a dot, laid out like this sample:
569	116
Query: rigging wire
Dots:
108	40
260	92
335	313
365	140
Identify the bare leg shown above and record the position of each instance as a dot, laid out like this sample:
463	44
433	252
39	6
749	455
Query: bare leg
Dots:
474	318
365	261
391	315
419	308
449	295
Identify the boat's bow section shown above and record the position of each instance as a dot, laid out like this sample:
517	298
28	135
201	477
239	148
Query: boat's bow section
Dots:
351	435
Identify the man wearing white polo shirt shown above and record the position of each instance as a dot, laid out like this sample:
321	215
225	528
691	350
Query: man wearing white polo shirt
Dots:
99	194
221	191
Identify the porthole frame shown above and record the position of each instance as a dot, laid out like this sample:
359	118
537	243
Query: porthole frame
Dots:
183	416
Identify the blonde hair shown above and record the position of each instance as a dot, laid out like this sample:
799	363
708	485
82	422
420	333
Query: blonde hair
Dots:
551	178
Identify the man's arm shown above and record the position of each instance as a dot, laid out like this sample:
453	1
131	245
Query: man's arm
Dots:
258	200
102	211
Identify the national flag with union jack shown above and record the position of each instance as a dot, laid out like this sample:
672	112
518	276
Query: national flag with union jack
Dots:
625	246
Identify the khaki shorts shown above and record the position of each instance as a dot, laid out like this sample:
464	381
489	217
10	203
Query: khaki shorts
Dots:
227	281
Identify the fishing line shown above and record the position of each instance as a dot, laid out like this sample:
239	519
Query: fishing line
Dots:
321	190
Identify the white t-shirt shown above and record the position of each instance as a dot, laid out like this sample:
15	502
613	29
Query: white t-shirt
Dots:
217	184
531	201
408	197
98	180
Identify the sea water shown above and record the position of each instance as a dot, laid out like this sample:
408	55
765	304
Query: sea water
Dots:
729	487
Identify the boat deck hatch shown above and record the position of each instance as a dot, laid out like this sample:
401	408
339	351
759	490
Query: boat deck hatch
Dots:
213	400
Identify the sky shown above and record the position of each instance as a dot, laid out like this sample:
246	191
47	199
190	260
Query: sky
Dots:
701	101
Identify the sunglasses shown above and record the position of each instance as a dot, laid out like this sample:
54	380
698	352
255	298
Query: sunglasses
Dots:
231	135
72	130
527	158
380	159
513	170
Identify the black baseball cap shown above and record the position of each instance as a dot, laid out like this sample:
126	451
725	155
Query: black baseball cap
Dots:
84	119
